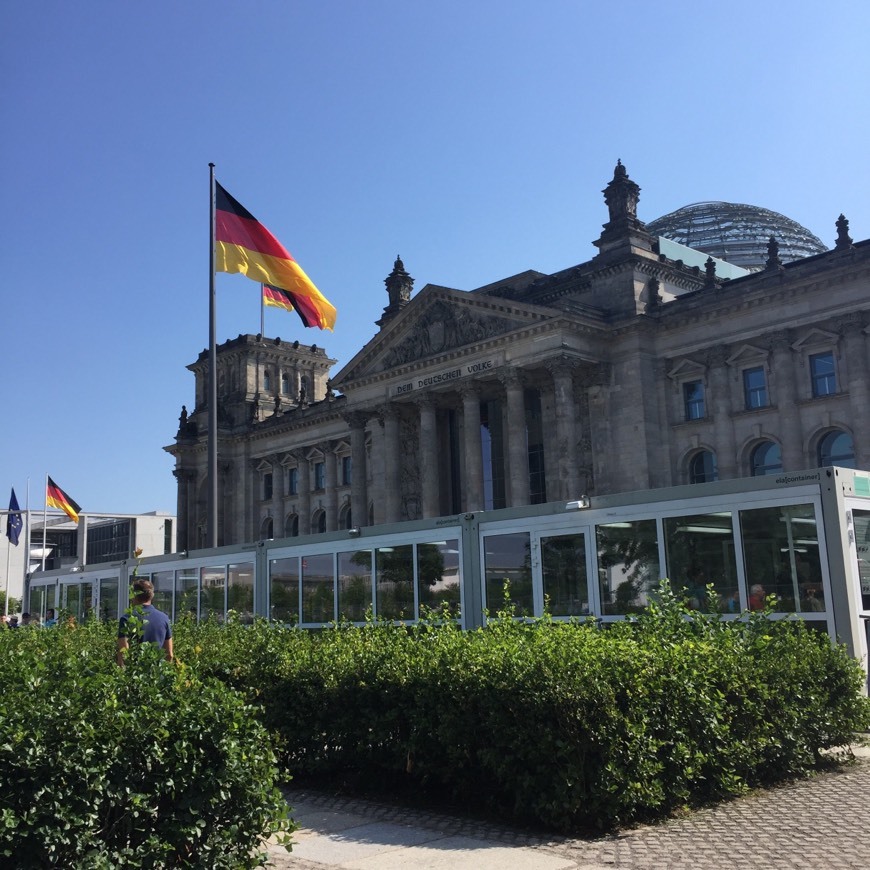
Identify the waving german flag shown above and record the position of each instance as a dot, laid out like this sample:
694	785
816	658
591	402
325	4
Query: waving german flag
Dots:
279	298
243	244
55	497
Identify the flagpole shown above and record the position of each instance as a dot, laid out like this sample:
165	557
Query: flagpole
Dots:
8	555
26	539
212	535
44	521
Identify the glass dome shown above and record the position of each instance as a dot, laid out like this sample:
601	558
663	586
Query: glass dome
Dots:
736	233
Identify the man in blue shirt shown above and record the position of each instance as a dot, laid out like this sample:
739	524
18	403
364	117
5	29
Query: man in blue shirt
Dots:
153	624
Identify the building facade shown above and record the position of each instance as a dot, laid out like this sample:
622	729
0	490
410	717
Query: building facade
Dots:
631	371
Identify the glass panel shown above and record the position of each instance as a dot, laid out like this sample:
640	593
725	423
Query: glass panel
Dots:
162	581
284	590
861	519
211	595
507	558
108	599
563	564
438	575
36	606
781	554
823	374
318	601
836	448
354	585
72	599
693	399
699	551
240	591
186	597
628	565
86	605
394	569
766	459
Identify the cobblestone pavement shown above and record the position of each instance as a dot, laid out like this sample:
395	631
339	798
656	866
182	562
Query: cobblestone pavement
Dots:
821	823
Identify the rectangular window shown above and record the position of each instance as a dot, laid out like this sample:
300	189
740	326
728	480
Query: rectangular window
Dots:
507	560
213	582
535	442
563	566
346	470
693	400
108	599
318	588
319	476
240	591
267	486
438	575
394	589
163	584
284	590
754	388
187	594
628	565
492	449
293	481
354	584
823	374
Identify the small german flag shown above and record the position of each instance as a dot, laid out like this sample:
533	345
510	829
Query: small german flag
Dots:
55	497
290	302
243	244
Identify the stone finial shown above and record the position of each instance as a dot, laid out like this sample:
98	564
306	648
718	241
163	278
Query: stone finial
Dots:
399	286
621	196
710	272
844	240
773	260
654	297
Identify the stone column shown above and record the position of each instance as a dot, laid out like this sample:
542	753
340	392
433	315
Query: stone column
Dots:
392	464
723	425
473	451
378	468
277	498
566	428
790	430
184	533
428	457
304	492
517	440
358	495
331	472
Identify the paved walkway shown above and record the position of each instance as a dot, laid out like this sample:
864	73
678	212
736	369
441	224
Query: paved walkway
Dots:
818	824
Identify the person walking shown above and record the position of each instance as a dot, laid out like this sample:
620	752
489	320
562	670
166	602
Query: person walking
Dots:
150	624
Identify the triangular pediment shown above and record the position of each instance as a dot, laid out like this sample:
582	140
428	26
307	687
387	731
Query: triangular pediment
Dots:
816	338
747	353
687	368
439	322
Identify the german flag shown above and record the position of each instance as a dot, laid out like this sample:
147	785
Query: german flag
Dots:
290	302
55	497
243	244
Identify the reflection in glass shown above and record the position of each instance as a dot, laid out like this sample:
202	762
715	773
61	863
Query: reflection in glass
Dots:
187	594
438	575
563	562
240	591
163	584
36	606
108	599
699	550
72	599
781	553
211	593
628	565
394	570
507	558
354	585
318	588
862	545
284	590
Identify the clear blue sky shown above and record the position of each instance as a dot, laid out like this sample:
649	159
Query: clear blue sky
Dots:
473	137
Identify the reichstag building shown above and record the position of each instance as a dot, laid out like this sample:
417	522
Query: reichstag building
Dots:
657	362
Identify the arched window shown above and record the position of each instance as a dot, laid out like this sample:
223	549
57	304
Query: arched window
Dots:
266	529
291	526
285	384
837	448
702	467
765	459
345	518
318	522
267	380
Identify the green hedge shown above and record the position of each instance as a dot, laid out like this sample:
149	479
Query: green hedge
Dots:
567	724
152	765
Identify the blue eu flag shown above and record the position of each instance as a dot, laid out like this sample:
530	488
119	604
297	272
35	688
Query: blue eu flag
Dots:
13	519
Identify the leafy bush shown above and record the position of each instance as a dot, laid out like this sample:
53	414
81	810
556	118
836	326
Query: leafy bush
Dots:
567	724
147	766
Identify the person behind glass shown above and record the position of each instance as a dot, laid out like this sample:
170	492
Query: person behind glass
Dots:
757	598
50	618
155	627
